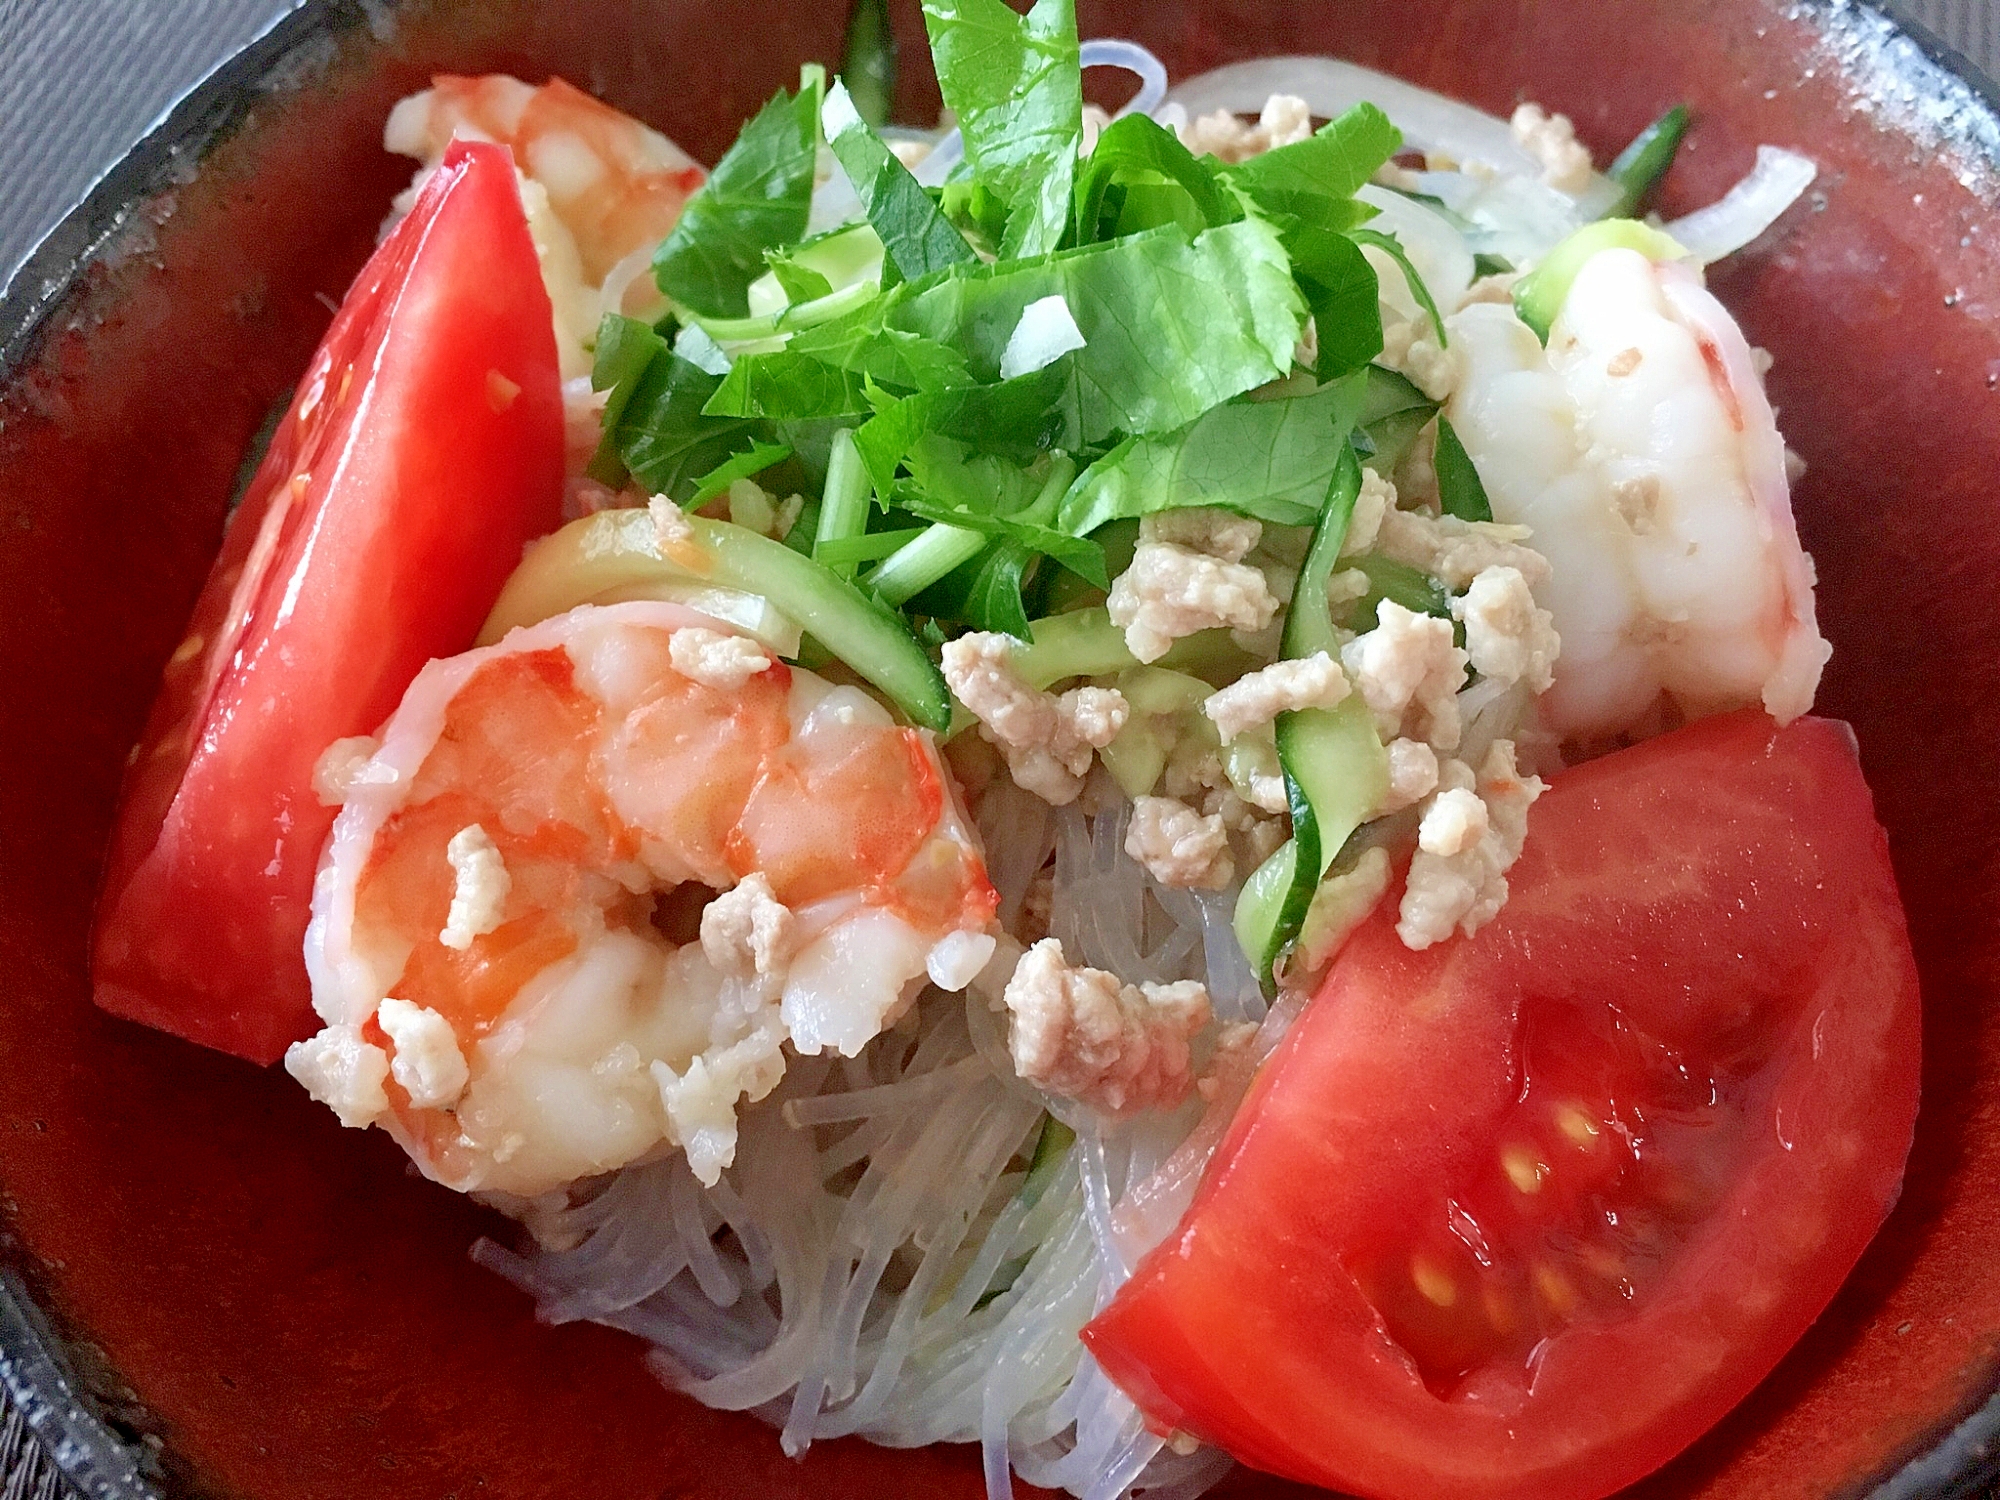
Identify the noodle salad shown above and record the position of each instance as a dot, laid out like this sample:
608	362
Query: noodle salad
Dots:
1136	788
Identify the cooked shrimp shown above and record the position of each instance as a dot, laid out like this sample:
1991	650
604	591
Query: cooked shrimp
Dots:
504	938
1640	448
602	190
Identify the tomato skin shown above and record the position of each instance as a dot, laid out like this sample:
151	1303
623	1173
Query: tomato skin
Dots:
1726	880
423	449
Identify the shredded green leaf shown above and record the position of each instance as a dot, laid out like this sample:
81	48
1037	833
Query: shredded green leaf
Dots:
1460	491
916	235
1268	459
1643	163
758	457
1015	85
758	197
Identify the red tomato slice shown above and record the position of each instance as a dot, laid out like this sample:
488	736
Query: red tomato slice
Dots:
423	449
1522	1215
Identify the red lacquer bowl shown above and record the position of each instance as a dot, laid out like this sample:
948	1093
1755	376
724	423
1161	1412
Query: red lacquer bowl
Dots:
252	1302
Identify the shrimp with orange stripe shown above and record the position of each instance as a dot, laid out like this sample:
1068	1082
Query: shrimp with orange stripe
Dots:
593	881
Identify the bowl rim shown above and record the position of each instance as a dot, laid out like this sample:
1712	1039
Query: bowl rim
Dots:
106	1459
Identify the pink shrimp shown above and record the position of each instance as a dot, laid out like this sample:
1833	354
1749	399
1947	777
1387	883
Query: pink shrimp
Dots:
509	941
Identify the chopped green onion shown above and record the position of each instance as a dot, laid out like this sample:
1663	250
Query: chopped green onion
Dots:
1643	163
843	506
917	565
842	553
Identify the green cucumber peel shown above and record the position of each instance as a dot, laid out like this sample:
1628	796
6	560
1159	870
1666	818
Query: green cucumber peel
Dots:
874	641
1335	768
1539	296
1643	163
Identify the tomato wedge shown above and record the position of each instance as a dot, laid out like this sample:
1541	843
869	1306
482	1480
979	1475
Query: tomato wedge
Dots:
423	449
1522	1215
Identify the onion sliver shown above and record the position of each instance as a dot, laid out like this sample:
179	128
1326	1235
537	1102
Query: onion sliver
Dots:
1429	121
1749	208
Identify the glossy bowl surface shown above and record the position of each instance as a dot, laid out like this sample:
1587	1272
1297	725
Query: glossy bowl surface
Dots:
250	1302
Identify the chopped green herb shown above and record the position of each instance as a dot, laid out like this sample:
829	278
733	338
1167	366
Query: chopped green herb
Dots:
757	198
1016	86
1460	491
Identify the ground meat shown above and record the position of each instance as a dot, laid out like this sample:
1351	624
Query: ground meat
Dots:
1377	499
1413	775
1285	121
671	527
1455	552
1047	740
715	658
1506	637
1170	592
701	1103
343	1072
1551	140
746	931
427	1061
1256	698
1410	348
1179	846
752	507
1464	889
1202	528
340	766
1080	1034
479	889
1409	672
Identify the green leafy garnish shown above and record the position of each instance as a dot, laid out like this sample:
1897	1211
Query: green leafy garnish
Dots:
758	198
1171	325
914	233
1268	459
755	459
1460	491
1316	179
1139	176
1016	87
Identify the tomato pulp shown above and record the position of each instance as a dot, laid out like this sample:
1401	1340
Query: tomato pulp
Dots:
423	449
1524	1214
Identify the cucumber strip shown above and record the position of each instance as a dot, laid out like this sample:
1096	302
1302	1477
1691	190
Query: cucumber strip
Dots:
1645	161
1539	295
617	549
1082	643
1336	770
1410	587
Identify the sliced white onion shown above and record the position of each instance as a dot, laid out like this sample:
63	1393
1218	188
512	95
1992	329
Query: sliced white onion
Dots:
1047	331
1429	121
1749	208
1519	219
1434	245
1110	52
